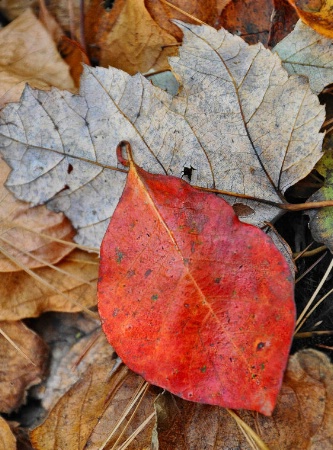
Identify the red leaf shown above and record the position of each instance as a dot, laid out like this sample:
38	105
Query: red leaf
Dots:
191	298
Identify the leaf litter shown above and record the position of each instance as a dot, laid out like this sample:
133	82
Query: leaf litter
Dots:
239	120
189	166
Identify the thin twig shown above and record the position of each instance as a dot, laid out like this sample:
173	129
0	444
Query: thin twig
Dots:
285	206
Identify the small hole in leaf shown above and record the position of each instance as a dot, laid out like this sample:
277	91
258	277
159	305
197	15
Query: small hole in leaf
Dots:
260	346
188	172
148	272
108	4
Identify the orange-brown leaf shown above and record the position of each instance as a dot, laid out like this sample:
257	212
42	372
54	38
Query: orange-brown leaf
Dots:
163	14
17	372
318	14
22	229
7	438
129	39
86	415
249	19
72	289
28	54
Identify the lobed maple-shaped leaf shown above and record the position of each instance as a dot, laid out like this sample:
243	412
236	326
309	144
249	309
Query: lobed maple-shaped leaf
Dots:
238	120
191	298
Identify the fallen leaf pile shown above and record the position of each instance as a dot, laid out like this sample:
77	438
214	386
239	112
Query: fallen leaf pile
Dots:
239	121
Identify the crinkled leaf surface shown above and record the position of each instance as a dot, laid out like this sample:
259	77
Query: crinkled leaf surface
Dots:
239	121
191	298
305	52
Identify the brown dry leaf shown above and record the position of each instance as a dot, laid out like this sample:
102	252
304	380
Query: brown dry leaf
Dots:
11	9
28	55
86	415
128	38
283	20
221	4
163	14
303	418
22	229
71	50
71	289
249	19
318	14
17	371
7	438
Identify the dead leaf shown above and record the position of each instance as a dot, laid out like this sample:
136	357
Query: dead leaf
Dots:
68	14
72	358
179	288
71	51
303	417
129	39
305	52
71	289
28	55
238	120
22	229
18	373
283	20
249	19
316	14
221	4
92	407
12	9
7	438
163	14
321	220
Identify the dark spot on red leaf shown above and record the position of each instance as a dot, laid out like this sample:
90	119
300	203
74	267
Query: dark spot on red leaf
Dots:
260	346
147	273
